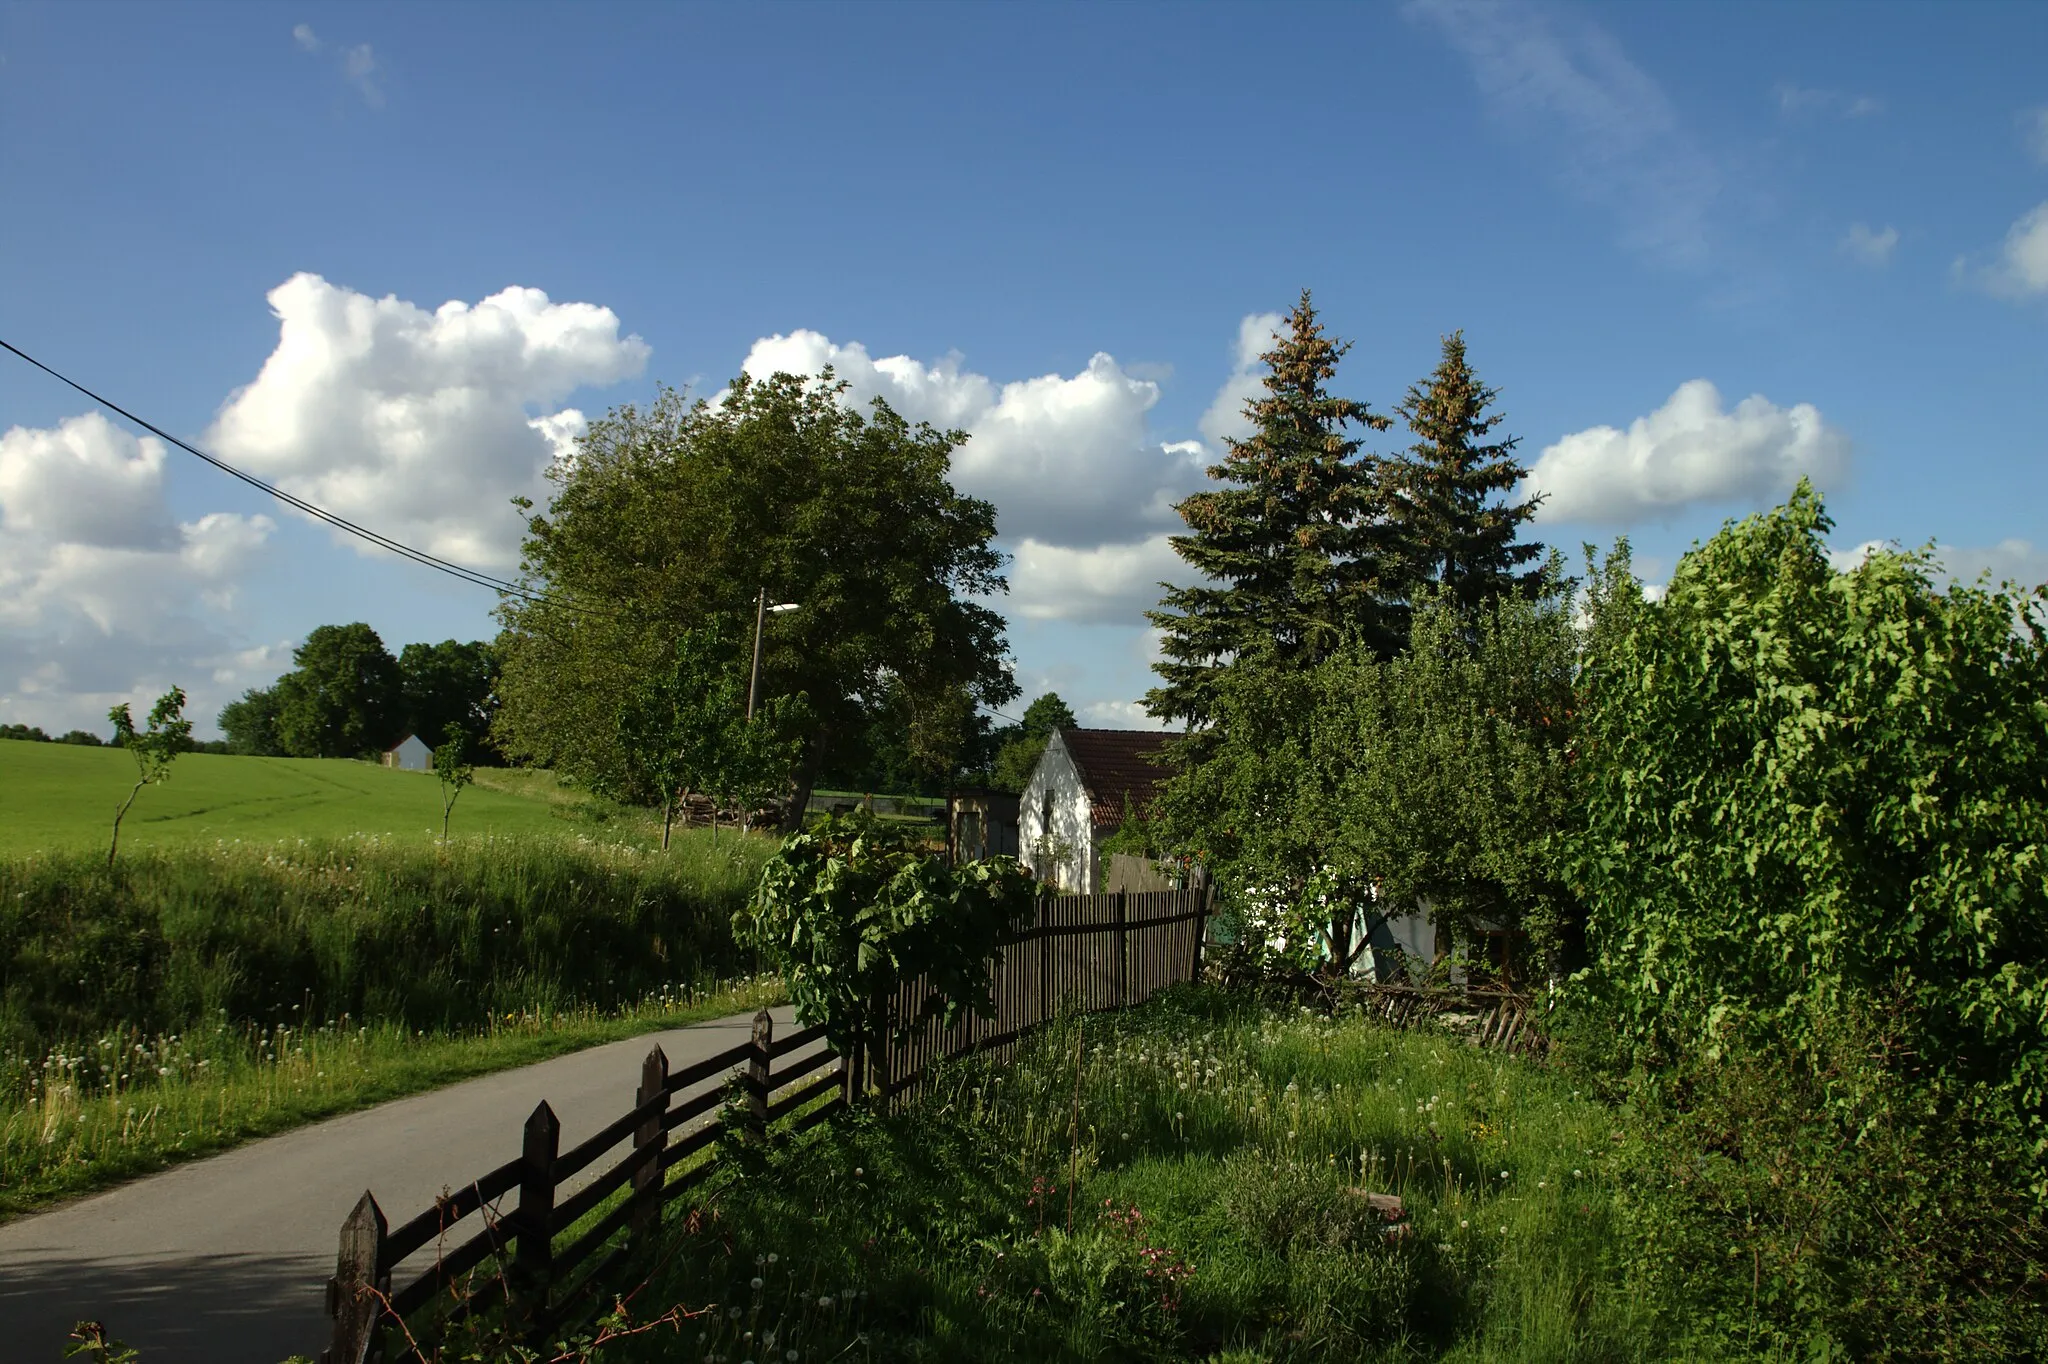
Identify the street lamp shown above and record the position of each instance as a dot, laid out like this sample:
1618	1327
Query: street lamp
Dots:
761	610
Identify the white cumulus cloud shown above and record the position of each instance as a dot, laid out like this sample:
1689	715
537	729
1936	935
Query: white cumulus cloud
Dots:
422	425
1067	459
2009	561
1870	246
2022	265
1106	584
1689	451
1225	418
104	596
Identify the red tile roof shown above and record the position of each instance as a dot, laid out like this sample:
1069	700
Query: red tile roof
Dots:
1116	763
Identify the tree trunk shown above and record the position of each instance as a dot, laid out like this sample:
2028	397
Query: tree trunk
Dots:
120	814
801	781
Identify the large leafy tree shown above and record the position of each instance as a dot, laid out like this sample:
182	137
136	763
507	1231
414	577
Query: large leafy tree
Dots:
1461	535
1294	550
450	683
675	515
250	723
344	699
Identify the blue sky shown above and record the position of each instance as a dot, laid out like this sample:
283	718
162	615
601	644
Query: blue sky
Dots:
1699	249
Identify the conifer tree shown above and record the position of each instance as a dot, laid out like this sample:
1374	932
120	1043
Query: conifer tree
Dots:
1459	536
1296	547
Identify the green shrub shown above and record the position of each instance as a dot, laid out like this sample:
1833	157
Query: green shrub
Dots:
848	909
1816	815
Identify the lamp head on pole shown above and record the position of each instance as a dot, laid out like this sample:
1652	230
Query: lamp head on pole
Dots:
785	606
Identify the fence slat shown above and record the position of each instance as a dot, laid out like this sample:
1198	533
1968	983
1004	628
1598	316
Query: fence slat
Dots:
533	1261
652	1135
359	1275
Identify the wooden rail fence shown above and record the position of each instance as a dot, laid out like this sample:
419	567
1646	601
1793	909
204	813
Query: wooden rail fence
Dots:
577	1214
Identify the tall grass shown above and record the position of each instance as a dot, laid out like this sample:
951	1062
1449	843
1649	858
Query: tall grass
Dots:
180	941
1186	1181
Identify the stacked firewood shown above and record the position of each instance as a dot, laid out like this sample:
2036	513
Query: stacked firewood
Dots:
697	808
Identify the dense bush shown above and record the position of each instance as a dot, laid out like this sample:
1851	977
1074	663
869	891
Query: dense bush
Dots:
429	937
849	909
1816	808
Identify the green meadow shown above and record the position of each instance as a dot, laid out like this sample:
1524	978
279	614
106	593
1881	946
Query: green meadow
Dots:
62	797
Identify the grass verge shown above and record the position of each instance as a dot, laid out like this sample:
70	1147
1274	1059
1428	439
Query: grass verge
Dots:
125	1104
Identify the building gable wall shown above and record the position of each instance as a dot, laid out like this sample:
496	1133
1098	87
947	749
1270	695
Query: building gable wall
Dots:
1055	828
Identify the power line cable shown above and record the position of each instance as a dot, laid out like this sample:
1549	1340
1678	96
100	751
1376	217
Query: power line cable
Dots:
503	586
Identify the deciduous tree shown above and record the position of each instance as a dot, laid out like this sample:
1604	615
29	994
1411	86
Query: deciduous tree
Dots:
153	749
452	766
345	697
674	516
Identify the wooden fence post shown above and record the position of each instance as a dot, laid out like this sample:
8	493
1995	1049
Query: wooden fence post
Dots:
878	1068
1123	952
533	1262
1207	906
757	1078
1044	972
648	1141
359	1274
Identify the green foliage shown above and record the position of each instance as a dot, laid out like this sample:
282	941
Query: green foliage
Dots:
1776	1211
848	909
453	770
343	699
1333	795
34	734
1295	549
1450	767
153	749
1019	746
250	724
450	683
1807	790
1458	536
684	728
672	517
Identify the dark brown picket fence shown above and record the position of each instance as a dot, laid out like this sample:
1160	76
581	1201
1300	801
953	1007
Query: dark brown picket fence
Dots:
545	1263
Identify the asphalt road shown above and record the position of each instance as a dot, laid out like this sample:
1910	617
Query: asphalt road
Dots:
226	1260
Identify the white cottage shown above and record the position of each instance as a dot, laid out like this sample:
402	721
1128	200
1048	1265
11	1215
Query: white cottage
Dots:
410	754
1076	799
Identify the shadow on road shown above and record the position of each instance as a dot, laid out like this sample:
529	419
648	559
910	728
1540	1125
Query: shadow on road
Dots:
216	1309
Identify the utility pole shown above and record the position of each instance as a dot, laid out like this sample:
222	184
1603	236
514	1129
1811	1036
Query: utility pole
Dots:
761	610
754	678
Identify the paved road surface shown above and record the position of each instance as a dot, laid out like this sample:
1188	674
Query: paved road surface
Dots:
226	1260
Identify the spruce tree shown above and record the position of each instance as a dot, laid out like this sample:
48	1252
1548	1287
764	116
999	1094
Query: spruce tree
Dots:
1296	548
1458	536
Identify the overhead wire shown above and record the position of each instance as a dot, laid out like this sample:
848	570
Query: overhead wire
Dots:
502	586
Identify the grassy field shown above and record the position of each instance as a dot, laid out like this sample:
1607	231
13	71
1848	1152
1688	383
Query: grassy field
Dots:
1187	1181
61	796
